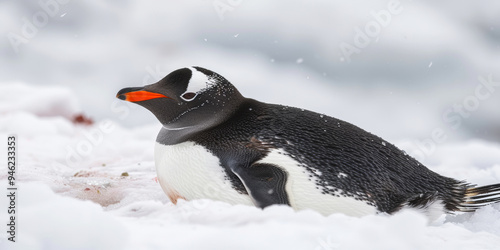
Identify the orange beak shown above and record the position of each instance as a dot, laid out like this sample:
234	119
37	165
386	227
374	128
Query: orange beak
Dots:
135	95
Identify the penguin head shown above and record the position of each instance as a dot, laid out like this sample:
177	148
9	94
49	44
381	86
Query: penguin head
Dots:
190	98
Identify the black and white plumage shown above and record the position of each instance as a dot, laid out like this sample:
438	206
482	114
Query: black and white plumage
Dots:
216	144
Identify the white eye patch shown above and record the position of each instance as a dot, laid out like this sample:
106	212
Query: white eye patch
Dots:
197	84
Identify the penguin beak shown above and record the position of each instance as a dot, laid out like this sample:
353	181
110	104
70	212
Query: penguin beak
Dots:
137	95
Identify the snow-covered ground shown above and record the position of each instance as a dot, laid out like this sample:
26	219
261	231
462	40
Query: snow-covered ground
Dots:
93	187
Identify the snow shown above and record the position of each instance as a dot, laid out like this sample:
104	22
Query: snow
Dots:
74	194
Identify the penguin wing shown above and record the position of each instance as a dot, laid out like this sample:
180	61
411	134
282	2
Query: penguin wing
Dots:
265	183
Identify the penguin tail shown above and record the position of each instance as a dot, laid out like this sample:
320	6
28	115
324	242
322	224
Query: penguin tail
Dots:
477	197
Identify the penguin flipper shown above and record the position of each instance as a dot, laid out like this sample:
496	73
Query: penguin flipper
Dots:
265	183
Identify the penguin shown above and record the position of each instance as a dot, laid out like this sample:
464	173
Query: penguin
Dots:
216	144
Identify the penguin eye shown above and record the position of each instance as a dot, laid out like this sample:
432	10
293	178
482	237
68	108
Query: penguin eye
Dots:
189	96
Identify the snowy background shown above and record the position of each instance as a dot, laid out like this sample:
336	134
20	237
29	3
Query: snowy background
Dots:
92	186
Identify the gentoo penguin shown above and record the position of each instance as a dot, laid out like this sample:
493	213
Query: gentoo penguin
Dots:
219	145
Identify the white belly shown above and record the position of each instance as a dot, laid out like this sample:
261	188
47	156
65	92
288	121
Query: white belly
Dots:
189	171
303	194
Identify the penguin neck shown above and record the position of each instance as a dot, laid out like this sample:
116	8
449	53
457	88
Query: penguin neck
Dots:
172	136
